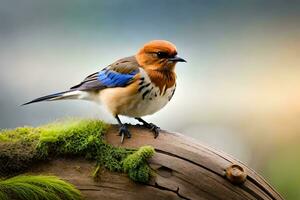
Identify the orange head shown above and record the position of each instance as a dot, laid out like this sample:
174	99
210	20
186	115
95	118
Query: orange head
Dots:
158	55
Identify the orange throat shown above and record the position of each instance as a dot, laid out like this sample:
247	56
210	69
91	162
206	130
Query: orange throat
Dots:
163	79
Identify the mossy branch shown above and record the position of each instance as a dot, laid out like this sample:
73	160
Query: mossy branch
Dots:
22	146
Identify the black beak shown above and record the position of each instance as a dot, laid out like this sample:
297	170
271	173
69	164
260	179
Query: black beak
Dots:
177	59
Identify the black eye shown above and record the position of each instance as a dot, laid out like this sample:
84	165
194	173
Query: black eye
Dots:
161	54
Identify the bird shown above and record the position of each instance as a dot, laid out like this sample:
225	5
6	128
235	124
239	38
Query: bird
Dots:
133	86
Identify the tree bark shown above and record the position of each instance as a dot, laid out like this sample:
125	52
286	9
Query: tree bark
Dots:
184	169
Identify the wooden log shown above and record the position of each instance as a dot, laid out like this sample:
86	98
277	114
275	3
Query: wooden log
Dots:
184	169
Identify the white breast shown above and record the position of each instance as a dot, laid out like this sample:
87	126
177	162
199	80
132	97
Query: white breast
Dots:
149	98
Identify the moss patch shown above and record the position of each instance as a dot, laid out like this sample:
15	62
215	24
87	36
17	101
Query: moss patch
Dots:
22	146
38	188
136	164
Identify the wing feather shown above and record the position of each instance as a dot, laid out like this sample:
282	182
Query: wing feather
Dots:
118	74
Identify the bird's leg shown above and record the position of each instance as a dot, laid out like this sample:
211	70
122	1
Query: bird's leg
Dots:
150	126
123	131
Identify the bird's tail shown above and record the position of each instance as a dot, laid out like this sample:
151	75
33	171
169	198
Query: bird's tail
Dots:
70	94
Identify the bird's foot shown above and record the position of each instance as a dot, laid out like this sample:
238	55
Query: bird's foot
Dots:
155	129
123	131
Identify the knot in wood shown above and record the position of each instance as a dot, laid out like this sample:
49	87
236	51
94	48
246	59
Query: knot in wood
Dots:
236	174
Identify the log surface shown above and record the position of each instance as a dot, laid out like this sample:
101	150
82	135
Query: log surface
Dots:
185	169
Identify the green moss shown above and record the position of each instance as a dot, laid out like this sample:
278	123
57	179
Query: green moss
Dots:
74	137
136	164
37	188
22	146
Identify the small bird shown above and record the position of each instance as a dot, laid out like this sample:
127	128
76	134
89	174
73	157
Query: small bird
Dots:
133	86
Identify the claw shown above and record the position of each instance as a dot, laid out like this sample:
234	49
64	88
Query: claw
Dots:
155	129
122	138
124	131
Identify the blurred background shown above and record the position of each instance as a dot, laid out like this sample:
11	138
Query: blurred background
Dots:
238	92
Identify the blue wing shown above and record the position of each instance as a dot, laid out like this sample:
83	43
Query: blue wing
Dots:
110	78
118	74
